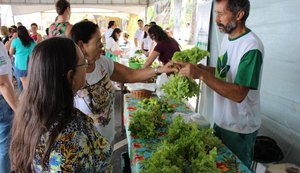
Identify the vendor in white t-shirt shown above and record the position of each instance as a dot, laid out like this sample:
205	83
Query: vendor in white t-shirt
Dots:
235	80
96	99
139	34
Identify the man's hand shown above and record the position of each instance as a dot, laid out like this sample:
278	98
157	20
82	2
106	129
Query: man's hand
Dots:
190	70
170	67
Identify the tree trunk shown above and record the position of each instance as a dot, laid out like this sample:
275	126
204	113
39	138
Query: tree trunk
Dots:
192	38
177	17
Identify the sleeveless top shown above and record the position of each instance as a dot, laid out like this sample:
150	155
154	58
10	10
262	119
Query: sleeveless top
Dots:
58	29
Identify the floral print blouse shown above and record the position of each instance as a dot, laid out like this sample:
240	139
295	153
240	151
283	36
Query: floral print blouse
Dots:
78	148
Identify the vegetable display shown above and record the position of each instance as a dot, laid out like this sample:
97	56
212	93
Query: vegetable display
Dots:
146	124
136	60
179	87
154	104
138	52
148	118
186	149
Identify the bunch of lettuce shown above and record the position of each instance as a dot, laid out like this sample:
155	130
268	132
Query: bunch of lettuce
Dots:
193	55
155	104
146	124
186	149
179	87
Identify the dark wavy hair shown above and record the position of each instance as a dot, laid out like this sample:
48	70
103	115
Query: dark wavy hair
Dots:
83	31
61	6
47	98
24	36
237	5
110	24
145	33
116	31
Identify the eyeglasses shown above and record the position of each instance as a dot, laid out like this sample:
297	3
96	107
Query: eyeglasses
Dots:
85	64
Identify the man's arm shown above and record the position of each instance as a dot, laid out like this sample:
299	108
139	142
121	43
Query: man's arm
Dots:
207	68
231	91
124	74
8	92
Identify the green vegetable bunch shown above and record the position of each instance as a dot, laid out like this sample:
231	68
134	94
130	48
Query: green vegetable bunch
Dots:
155	104
136	60
180	88
146	124
186	149
193	55
138	52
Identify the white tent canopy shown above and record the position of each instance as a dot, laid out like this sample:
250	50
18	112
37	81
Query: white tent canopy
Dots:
27	9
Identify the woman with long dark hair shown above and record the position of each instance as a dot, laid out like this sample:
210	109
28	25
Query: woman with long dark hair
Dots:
96	99
165	47
48	134
147	41
61	26
112	45
110	28
21	48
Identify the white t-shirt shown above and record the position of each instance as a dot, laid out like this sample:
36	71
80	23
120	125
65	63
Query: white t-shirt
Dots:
240	63
5	63
101	107
108	34
112	45
147	43
139	34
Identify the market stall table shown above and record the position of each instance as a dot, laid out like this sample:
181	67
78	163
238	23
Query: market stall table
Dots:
140	149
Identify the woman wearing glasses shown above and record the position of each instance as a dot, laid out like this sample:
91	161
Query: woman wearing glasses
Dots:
165	47
97	98
49	134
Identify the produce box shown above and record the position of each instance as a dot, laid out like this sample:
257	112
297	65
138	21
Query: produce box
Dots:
136	62
135	65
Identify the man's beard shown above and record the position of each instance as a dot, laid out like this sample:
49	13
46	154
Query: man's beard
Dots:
229	28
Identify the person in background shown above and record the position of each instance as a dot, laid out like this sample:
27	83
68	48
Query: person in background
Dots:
21	48
96	99
19	24
112	44
5	34
165	47
147	41
8	105
126	42
139	33
49	134
34	34
12	34
61	26
169	31
235	79
111	26
152	23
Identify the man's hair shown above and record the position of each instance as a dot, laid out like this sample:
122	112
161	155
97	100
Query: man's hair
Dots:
34	24
236	5
140	20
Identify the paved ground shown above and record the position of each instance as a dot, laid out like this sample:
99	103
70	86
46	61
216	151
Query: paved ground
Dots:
120	141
